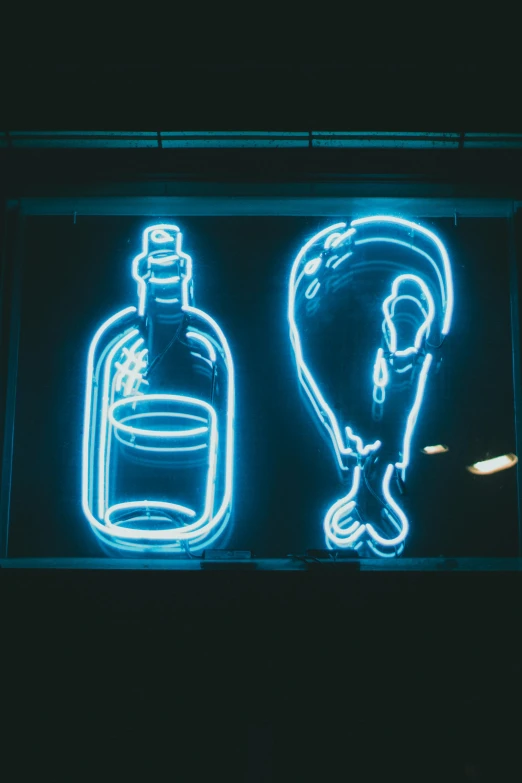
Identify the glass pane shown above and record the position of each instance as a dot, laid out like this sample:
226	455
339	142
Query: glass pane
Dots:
260	389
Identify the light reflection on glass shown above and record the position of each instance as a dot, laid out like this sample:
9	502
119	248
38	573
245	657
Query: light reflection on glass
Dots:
438	449
488	466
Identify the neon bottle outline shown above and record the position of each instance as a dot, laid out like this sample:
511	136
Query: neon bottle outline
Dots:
119	395
320	256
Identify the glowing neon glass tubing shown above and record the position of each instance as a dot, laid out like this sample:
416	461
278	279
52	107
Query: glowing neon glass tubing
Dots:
442	250
319	404
307	381
392	299
88	404
142	283
154	433
186	307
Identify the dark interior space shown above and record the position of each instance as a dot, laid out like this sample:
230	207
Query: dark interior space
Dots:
333	675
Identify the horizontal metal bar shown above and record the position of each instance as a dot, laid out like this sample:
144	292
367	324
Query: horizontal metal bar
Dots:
492	140
265	205
148	139
420	564
258	139
82	139
407	140
251	139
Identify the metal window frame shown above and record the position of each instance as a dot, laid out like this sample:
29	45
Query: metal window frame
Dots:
266	200
242	139
232	200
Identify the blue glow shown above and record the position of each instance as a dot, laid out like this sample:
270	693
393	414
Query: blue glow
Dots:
414	413
118	399
343	524
340	260
415	227
385	553
389	329
312	289
164	280
399	514
380	377
186	531
342	237
174	507
331	238
410	246
205	341
157	235
130	371
156	433
340	527
103	461
362	450
144	263
87	432
312	266
320	405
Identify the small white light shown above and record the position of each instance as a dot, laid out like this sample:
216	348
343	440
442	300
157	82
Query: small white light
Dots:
439	449
493	465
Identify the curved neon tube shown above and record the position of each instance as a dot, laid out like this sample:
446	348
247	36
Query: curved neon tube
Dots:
380	377
129	373
413	415
205	341
332	238
392	300
181	532
340	260
334	533
337	241
159	235
160	449
164	280
339	527
397	511
312	390
312	289
312	266
363	450
88	404
440	247
102	463
131	368
154	504
158	433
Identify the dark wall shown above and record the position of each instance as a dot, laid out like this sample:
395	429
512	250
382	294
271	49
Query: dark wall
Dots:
339	676
350	83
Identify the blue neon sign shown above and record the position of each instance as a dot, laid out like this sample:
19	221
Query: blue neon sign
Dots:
402	360
158	440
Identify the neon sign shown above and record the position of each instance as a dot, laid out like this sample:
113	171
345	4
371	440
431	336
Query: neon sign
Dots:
371	437
158	438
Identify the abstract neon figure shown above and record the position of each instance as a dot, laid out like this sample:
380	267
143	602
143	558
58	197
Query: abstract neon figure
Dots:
158	438
414	310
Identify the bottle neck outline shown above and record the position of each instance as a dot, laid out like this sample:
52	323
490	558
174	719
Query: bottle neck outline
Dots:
164	278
